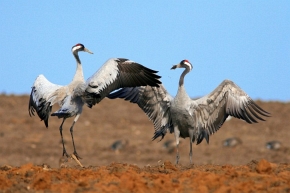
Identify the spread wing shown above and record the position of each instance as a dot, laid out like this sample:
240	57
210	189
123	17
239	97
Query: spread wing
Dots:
211	111
42	98
117	73
154	101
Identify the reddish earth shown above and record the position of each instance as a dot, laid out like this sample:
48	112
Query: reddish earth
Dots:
31	154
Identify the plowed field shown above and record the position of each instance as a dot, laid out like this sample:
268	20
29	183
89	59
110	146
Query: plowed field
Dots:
31	155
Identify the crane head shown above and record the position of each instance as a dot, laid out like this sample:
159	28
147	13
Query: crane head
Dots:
183	64
80	47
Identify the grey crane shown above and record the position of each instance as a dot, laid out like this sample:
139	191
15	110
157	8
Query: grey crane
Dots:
196	119
114	74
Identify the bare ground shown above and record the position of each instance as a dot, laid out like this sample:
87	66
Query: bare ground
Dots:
31	154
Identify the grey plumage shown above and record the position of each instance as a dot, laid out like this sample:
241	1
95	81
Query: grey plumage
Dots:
196	119
114	74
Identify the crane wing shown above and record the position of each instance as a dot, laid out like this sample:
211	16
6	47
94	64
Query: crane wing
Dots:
43	96
117	73
211	111
154	101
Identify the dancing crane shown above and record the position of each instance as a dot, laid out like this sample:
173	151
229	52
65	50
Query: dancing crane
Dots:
196	119
115	73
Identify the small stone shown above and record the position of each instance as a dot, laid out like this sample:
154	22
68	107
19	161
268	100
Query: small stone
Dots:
263	166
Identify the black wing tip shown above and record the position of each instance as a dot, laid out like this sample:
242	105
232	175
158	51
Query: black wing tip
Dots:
138	74
149	79
250	112
31	108
201	136
159	133
262	110
31	111
46	123
122	59
158	83
162	135
149	69
136	63
42	111
257	109
60	115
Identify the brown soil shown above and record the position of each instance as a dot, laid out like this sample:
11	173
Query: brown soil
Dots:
31	154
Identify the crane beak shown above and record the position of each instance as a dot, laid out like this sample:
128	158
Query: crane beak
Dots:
175	66
86	50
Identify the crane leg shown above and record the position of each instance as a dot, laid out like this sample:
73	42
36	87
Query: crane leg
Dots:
190	138
71	132
177	154
176	134
63	148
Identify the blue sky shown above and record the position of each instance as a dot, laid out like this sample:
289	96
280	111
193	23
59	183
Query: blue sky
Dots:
244	41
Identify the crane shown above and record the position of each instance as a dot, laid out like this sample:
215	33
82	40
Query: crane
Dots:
113	74
185	117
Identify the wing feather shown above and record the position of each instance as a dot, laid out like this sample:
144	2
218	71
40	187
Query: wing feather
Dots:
154	101
212	110
117	73
42	98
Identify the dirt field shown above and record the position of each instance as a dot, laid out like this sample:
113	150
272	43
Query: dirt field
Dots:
31	155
